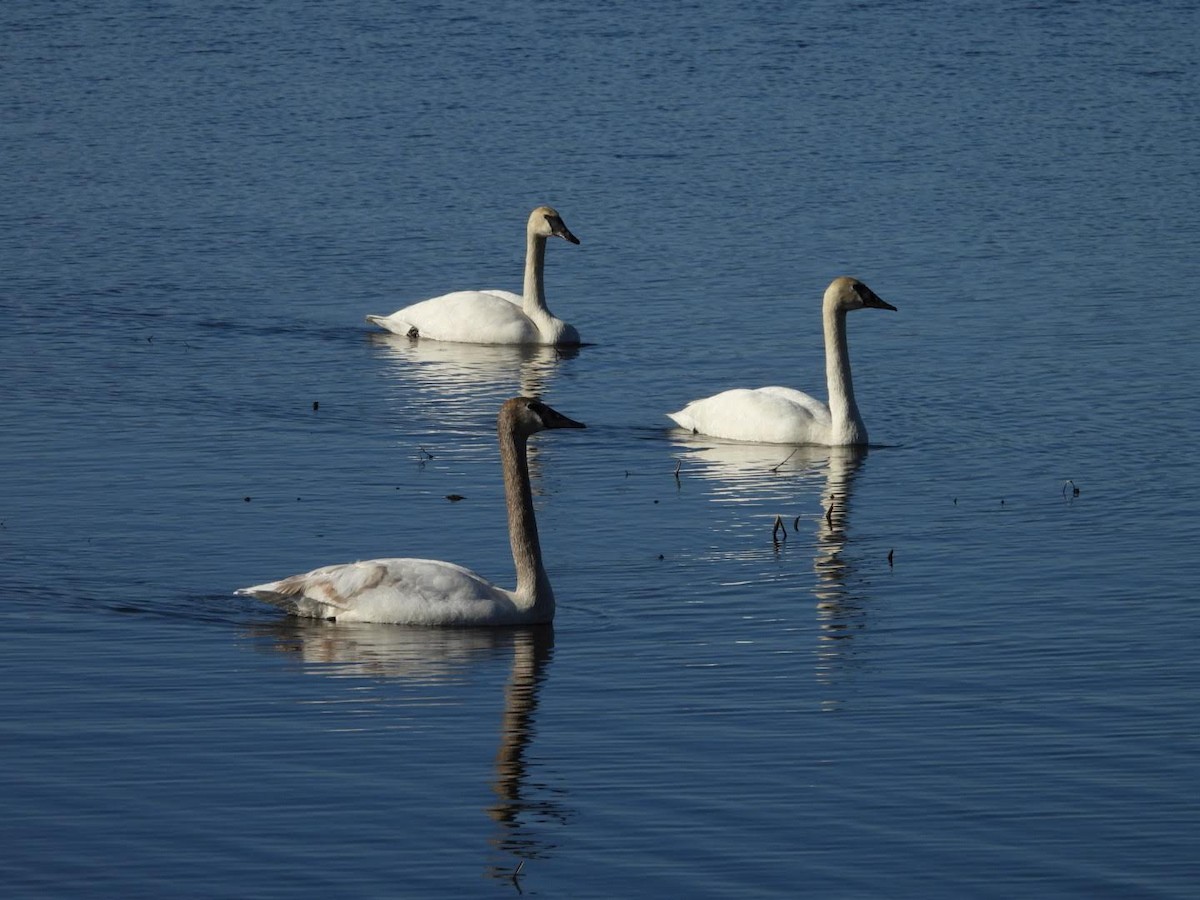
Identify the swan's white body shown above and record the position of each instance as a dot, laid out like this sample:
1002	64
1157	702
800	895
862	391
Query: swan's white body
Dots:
494	317
431	592
781	415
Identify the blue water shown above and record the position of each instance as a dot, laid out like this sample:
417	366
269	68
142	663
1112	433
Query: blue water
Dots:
954	676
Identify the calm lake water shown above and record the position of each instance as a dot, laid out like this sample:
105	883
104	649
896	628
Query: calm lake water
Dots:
954	678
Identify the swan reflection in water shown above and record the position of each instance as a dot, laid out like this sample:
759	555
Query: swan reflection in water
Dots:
841	606
446	376
783	476
441	656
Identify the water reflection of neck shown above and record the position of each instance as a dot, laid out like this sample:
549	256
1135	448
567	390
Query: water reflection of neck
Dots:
839	611
532	650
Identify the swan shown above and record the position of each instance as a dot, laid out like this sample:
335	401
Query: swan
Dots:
431	592
494	317
780	415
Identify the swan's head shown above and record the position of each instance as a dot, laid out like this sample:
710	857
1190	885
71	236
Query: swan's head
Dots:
527	415
546	222
849	293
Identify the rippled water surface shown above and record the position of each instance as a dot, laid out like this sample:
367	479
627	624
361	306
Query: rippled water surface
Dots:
960	664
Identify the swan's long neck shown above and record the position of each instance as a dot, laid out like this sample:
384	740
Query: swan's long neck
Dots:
848	427
534	294
533	586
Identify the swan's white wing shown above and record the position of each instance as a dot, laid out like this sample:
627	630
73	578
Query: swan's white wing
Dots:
818	410
772	415
392	591
514	299
473	317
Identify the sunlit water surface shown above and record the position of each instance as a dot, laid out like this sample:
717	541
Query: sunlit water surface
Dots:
930	670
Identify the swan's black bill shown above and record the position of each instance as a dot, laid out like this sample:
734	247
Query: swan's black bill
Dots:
870	299
559	229
552	418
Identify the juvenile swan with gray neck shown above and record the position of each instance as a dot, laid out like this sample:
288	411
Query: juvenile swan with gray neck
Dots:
494	317
430	592
780	415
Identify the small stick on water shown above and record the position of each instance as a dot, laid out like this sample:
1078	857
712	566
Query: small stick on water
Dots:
778	529
796	524
425	454
829	511
1074	489
785	459
890	552
678	466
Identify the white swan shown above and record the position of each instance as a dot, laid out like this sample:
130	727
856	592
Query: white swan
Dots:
780	415
494	317
430	592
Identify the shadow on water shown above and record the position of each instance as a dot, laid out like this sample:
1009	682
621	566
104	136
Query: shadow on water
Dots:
446	655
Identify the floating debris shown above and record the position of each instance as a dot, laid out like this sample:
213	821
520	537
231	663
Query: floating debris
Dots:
779	528
454	498
785	459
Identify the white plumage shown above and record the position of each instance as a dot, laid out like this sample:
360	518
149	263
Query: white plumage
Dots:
407	591
781	415
494	317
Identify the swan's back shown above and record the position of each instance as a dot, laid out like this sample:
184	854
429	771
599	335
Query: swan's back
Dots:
770	415
401	591
469	317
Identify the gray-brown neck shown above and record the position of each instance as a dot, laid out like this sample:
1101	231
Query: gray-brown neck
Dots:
533	590
848	427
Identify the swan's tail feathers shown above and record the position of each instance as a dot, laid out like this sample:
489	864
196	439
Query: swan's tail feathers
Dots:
395	326
322	593
682	419
283	594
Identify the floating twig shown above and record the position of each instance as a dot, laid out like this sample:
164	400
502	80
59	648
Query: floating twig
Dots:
454	498
785	459
890	552
779	528
678	466
796	524
1074	488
